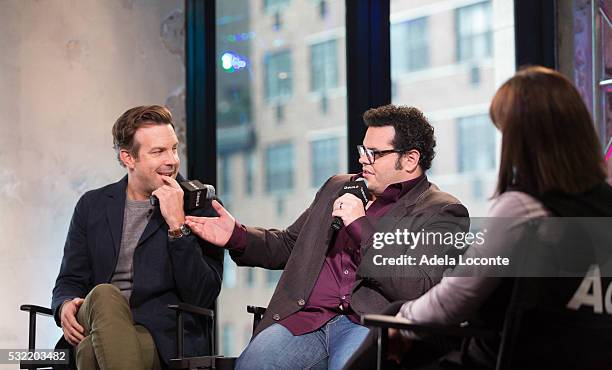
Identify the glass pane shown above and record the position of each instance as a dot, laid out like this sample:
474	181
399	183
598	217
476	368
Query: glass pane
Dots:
606	43
476	149
325	155
606	94
447	59
323	66
409	42
473	31
281	129
606	65
228	338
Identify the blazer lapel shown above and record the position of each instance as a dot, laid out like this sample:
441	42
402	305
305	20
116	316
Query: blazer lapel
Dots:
403	207
115	211
154	223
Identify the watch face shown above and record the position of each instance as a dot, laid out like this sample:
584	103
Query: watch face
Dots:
185	229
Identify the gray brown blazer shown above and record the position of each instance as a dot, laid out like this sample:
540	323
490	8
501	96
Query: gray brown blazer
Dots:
301	248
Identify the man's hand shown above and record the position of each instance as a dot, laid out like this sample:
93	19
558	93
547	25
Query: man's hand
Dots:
73	331
171	202
349	208
216	230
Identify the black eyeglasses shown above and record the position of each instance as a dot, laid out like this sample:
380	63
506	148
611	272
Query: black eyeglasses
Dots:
372	154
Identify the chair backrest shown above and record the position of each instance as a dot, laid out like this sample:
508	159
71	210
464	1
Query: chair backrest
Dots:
562	318
545	333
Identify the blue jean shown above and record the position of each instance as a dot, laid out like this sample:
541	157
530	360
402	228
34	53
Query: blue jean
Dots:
329	347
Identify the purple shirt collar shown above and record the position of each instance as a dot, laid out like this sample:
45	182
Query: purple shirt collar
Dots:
394	191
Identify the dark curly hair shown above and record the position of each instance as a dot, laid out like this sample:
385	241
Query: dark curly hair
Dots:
412	130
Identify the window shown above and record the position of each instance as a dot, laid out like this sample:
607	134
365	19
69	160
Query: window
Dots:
279	167
250	276
278	82
249	172
248	333
474	31
476	144
228	338
267	116
409	45
323	66
229	271
323	9
325	156
234	106
226	176
272	277
464	65
275	4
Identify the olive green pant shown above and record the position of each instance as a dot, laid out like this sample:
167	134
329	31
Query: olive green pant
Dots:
112	341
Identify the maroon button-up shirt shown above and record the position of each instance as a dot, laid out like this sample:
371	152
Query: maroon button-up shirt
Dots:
331	295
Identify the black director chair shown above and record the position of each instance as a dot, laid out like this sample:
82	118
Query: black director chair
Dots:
180	362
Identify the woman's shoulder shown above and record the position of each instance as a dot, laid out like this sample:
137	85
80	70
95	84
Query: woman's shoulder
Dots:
517	204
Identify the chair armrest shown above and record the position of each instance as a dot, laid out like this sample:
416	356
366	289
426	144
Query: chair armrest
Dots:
256	310
32	311
382	323
387	321
36	309
184	307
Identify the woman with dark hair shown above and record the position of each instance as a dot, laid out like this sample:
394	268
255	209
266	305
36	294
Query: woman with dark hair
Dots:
551	165
549	143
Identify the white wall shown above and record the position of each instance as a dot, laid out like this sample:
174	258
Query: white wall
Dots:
68	69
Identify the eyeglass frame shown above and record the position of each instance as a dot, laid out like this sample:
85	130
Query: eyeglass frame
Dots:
362	150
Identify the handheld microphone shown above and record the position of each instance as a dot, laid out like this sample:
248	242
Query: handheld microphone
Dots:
358	188
195	195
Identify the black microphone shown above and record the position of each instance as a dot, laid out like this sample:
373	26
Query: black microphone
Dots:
194	195
358	188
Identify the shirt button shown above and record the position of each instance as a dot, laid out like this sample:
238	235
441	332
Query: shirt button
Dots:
343	297
276	317
301	302
345	272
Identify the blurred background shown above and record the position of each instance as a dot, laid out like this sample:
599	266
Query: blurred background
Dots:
263	94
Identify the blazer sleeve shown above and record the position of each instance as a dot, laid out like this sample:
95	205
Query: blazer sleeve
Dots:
198	268
74	278
271	248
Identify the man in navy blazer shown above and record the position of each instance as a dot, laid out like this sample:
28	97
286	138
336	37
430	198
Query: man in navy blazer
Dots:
125	260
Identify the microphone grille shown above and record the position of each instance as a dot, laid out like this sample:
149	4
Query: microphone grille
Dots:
365	182
210	194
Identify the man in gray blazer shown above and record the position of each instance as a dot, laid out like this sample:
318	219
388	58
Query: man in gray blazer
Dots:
329	277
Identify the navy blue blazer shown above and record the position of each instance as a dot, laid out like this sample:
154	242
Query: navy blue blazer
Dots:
186	269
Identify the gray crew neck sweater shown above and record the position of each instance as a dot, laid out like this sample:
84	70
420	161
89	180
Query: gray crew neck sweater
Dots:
135	218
